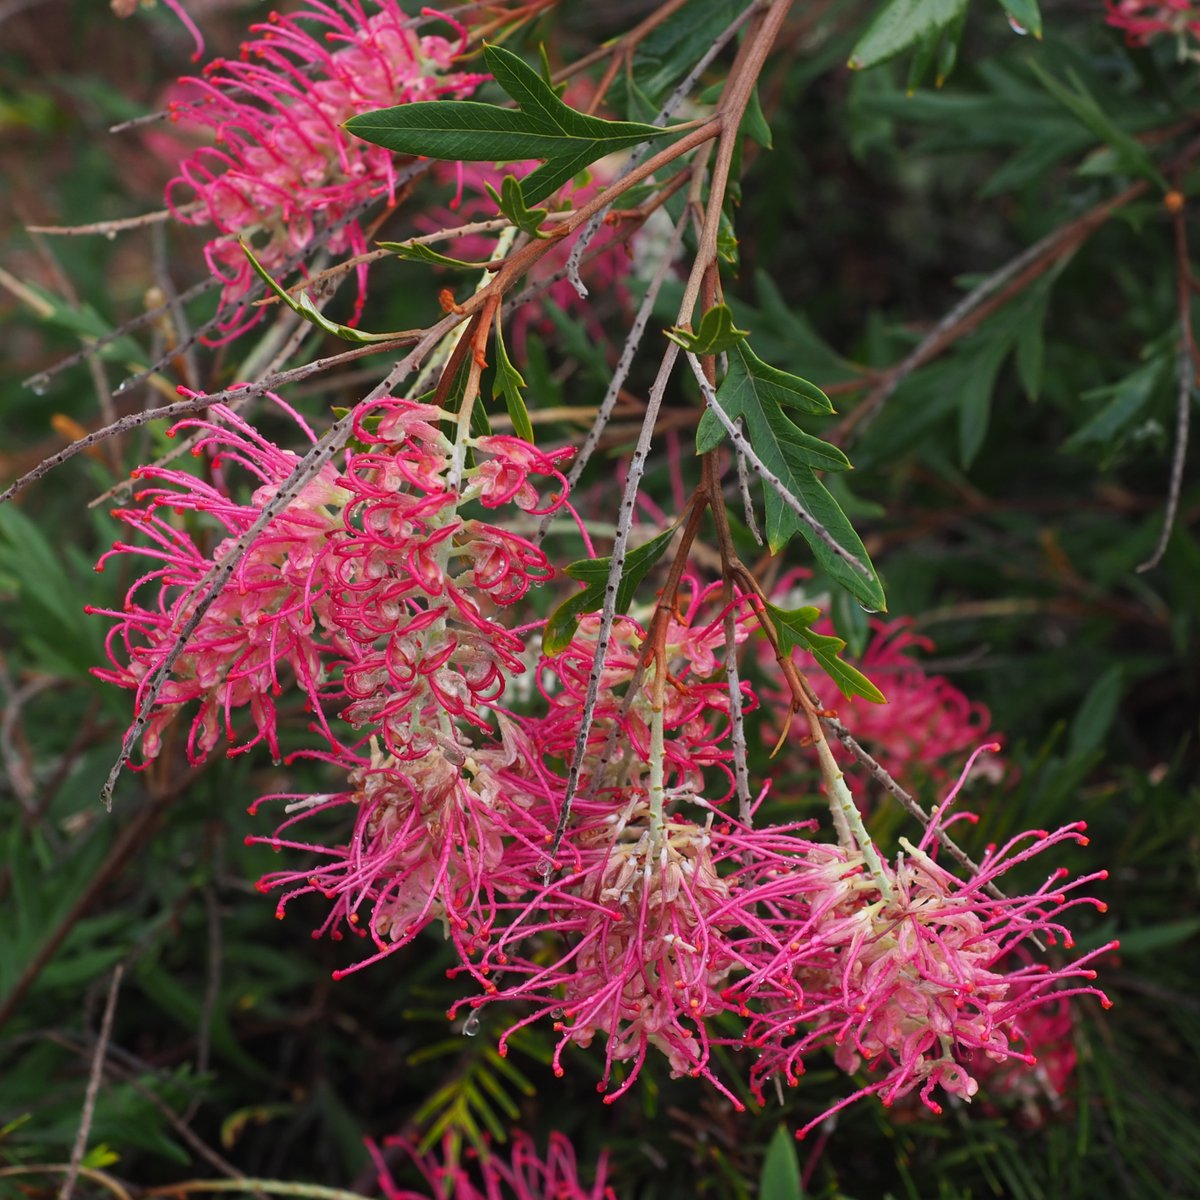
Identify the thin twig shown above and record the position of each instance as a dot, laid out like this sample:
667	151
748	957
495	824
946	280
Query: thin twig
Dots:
1185	381
668	110
624	364
633	479
93	1087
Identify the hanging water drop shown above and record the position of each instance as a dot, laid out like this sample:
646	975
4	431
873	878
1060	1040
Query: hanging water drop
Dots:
1017	27
556	1014
545	868
39	384
111	234
121	387
866	608
471	1025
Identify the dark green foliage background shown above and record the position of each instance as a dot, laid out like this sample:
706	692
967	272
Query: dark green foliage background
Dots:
1005	505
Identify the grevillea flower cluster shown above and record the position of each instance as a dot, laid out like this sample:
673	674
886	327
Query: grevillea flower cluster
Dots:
660	915
517	1173
1144	21
663	911
281	169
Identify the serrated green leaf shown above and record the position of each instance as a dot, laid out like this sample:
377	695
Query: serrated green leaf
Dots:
793	629
903	23
781	1169
754	392
751	383
564	620
717	333
510	200
543	127
1024	15
418	252
510	385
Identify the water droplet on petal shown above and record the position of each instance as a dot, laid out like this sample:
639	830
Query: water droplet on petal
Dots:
1017	27
471	1025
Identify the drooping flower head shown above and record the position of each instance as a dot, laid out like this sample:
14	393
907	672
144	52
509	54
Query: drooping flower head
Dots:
915	973
1143	21
281	169
518	1173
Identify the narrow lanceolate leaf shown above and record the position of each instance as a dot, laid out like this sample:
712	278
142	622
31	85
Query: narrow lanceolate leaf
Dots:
564	620
1024	16
717	333
1086	109
542	128
901	24
793	629
510	384
781	1169
303	306
418	252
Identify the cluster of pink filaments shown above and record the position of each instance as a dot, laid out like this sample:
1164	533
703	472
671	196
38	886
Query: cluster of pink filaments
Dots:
665	922
1143	21
911	974
281	169
519	1174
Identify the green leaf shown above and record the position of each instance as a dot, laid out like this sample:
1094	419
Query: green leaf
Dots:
975	399
903	23
756	393
304	307
1128	398
1096	714
509	383
510	200
1155	938
564	620
1083	106
781	1169
793	628
717	333
542	128
417	252
1024	15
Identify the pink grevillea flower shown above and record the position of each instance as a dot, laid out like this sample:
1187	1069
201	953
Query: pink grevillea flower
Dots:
1145	20
520	1173
696	705
1035	1085
913	973
440	838
413	578
267	617
642	921
627	946
370	587
281	169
